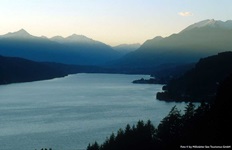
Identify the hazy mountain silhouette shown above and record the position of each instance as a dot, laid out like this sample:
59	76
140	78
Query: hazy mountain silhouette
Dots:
80	39
199	40
126	48
19	34
74	49
89	51
211	23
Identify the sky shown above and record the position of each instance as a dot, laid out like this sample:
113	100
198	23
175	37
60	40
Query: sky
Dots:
113	22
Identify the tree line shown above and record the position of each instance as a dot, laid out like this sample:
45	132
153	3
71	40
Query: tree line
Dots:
208	124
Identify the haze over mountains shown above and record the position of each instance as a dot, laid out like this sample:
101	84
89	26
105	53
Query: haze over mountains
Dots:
75	49
126	48
199	40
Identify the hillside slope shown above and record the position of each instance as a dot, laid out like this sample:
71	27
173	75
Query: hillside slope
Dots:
14	70
201	82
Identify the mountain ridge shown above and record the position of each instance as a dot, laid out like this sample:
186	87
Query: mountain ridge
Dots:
126	48
74	49
22	33
198	40
211	23
74	38
187	46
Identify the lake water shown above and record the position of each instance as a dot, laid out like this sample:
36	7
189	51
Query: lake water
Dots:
68	113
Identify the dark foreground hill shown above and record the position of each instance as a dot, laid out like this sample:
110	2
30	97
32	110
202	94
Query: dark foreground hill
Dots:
201	82
14	70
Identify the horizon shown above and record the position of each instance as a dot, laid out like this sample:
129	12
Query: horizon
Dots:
113	23
120	44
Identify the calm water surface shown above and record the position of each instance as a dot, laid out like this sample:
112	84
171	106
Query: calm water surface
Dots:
68	113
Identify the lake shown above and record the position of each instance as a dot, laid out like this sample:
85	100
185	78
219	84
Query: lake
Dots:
68	113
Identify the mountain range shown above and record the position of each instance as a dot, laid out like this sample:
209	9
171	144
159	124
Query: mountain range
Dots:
75	49
199	40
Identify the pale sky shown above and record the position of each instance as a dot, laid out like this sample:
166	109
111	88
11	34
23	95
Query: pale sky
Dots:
110	21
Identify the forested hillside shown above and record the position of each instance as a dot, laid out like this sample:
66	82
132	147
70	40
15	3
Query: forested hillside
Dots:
208	126
201	82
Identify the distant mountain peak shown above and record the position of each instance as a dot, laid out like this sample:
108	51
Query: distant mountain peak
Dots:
157	38
57	38
22	31
44	37
74	38
126	48
77	37
227	25
18	34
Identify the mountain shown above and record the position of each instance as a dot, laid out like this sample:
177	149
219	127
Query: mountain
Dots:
211	23
201	82
75	49
126	48
199	40
81	39
17	35
89	51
